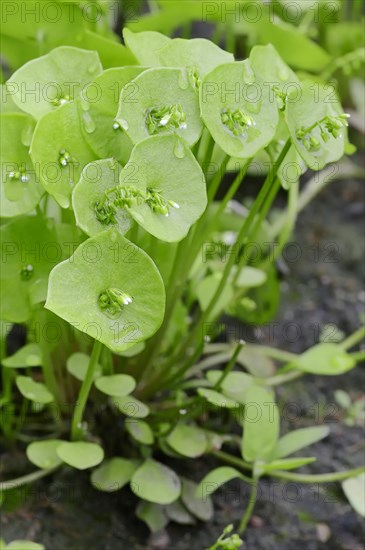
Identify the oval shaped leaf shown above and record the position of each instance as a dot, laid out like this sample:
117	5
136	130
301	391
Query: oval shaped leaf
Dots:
326	358
34	391
27	356
202	508
354	489
44	453
299	439
153	515
215	479
155	482
77	365
217	399
113	474
145	45
80	454
188	440
116	384
140	431
130	406
110	289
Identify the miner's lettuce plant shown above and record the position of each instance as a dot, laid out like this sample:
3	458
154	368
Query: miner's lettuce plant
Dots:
111	190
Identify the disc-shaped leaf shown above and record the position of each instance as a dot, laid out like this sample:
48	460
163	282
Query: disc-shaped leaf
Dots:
54	78
28	251
21	190
261	424
153	515
77	365
113	474
43	453
34	391
96	178
27	356
217	399
354	489
215	479
202	508
160	101
234	385
155	482
206	290
250	277
116	384
106	138
140	431
145	45
198	55
237	109
80	454
326	358
164	167
306	119
60	152
188	440
299	439
110	289
178	513
130	406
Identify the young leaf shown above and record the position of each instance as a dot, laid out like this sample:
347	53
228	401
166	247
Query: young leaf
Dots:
110	289
145	46
326	358
354	489
153	515
188	440
237	110
317	126
260	425
217	399
215	479
160	101
178	513
105	137
97	178
34	391
140	431
80	454
130	406
202	508
250	277
299	439
287	463
21	190
43	453
164	187
116	384
207	288
234	385
60	151
56	77
77	365
156	483
113	474
198	55
27	356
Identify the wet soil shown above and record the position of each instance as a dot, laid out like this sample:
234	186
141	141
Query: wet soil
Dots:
322	284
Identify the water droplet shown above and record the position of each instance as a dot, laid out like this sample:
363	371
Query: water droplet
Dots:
248	74
26	135
283	73
116	126
179	149
89	123
183	80
123	124
85	105
254	106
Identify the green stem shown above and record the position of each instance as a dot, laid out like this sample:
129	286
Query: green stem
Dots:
229	366
23	480
84	391
251	504
353	339
358	356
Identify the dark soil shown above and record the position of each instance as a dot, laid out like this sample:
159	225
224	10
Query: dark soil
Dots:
65	513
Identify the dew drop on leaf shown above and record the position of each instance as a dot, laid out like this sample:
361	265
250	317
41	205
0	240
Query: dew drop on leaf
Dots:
183	80
179	149
26	135
89	123
123	124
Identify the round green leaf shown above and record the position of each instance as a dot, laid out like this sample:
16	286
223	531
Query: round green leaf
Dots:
34	391
236	94
113	474
116	384
96	178
55	78
110	289
354	489
326	358
166	165
140	431
251	277
77	365
98	112
198	55
217	399
145	45
234	385
21	190
155	482
80	454
302	115
27	356
202	508
178	513
215	479
153	515
188	440
60	152
158	93
43	453
130	406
